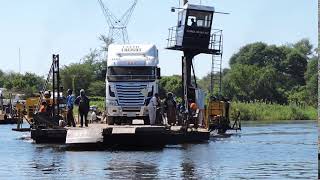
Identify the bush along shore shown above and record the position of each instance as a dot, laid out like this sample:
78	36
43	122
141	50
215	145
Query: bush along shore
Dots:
272	112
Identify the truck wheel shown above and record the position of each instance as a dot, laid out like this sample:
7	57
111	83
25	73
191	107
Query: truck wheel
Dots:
110	120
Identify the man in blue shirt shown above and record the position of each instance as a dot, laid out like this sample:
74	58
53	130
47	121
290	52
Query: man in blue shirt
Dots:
70	102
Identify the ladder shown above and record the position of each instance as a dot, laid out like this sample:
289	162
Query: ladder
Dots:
216	67
216	75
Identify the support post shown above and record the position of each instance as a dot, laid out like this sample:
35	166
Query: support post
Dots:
186	78
53	87
58	83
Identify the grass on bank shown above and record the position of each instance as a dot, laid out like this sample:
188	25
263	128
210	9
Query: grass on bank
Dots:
269	112
251	111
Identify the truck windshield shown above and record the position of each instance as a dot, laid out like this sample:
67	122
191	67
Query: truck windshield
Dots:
131	73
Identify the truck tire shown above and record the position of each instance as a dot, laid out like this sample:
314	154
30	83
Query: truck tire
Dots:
110	120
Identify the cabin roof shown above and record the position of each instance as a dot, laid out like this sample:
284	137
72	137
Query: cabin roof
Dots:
198	7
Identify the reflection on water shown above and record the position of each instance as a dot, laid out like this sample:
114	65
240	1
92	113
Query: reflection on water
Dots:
261	151
130	170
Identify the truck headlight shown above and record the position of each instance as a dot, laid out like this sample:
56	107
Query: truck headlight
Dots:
112	103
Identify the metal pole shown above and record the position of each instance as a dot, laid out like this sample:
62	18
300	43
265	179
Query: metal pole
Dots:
53	87
73	87
58	83
19	61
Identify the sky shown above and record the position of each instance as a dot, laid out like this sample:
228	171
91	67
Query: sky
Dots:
72	27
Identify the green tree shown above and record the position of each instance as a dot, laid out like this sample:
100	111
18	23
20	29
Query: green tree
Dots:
239	82
311	77
105	42
33	81
81	75
296	66
171	84
97	88
304	47
251	54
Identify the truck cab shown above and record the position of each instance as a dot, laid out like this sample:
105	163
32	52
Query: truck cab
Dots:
132	77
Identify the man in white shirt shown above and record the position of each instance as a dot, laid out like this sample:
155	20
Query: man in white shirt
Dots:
152	107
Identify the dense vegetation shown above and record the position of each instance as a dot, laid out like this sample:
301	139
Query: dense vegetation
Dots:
27	83
272	112
266	73
283	75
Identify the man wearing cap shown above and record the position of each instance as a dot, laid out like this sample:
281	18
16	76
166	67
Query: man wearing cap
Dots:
83	102
70	101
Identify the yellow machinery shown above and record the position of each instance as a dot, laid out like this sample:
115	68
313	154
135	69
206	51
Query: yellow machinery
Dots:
217	116
31	106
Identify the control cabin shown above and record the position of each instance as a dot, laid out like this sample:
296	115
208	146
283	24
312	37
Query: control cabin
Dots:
193	31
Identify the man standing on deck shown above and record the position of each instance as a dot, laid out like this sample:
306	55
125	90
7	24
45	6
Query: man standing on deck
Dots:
83	102
152	107
170	107
70	101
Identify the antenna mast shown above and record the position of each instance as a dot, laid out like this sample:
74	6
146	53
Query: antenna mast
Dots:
19	61
117	26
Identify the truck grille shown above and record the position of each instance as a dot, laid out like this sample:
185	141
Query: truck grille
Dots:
129	95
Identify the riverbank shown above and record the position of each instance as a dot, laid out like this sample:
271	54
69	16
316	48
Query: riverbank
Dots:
253	111
269	112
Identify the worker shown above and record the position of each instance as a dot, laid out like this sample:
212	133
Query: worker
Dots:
93	116
159	111
193	106
193	112
70	102
193	23
83	102
43	107
152	108
47	96
170	107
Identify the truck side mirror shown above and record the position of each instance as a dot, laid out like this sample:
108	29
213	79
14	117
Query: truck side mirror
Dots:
158	73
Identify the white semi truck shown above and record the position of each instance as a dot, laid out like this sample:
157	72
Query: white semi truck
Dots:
132	77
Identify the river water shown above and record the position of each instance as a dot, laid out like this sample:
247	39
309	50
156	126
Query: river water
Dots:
278	150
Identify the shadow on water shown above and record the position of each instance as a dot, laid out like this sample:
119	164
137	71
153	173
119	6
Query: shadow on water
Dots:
189	170
215	137
43	164
102	147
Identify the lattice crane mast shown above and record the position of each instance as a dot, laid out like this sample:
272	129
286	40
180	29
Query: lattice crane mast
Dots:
118	26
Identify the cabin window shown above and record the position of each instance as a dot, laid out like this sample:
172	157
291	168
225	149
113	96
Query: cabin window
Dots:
179	19
131	73
199	19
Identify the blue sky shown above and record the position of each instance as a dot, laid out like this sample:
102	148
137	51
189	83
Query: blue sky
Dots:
72	27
